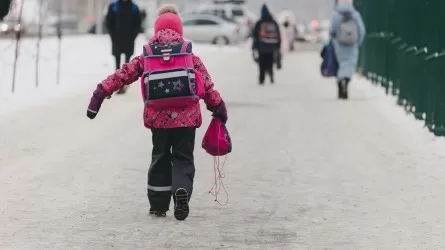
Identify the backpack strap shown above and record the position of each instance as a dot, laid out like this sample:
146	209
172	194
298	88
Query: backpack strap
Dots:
147	51
186	47
346	15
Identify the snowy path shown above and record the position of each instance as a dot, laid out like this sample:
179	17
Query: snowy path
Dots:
307	171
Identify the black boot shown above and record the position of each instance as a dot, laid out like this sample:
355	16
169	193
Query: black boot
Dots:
181	199
345	89
340	89
157	214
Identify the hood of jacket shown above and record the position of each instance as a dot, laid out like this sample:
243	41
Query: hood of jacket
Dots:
345	7
265	13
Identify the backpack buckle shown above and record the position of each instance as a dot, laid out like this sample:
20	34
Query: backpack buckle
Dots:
166	54
166	57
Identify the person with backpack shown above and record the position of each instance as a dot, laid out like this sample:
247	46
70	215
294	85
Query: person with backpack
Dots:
347	32
266	44
124	23
173	81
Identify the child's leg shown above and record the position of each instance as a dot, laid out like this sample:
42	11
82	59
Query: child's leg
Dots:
270	60
183	143
262	67
159	186
118	61
124	88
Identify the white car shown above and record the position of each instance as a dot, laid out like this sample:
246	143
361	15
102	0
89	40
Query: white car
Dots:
211	29
234	11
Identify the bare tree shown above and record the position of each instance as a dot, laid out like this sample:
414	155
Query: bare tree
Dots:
42	16
17	47
59	44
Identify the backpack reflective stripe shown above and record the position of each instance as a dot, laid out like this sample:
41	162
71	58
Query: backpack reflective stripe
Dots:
268	33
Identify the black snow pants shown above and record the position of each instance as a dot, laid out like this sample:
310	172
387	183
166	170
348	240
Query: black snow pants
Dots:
172	165
266	63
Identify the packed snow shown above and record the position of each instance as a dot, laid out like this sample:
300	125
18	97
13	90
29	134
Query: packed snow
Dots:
307	171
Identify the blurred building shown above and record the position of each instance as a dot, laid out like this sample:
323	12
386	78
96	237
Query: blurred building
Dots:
81	15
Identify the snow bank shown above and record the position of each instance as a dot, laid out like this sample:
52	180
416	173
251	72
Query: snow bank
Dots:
85	60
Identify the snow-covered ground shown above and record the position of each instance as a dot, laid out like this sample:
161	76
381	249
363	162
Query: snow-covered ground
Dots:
307	172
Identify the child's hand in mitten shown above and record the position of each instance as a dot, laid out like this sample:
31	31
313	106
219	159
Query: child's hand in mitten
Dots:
96	101
220	112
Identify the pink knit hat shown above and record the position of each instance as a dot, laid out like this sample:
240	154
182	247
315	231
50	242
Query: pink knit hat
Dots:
168	19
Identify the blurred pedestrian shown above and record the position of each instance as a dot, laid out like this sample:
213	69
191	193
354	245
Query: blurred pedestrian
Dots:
124	24
289	34
4	8
267	43
171	93
347	32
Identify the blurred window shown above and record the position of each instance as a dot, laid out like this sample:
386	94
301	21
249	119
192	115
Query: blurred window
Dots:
205	22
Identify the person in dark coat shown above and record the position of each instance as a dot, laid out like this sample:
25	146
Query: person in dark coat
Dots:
267	43
124	24
4	8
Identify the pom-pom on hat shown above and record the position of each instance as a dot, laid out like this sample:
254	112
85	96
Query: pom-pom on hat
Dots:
168	18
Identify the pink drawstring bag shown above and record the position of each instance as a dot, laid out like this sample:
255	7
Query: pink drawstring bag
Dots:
216	141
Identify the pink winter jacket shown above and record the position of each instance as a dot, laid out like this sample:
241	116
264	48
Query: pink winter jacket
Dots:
167	118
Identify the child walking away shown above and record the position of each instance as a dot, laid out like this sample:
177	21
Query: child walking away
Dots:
173	80
266	41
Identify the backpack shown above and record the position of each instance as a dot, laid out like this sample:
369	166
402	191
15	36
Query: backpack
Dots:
115	6
169	79
348	30
268	32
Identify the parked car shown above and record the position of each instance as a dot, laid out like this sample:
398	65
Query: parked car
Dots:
211	29
231	9
11	26
301	33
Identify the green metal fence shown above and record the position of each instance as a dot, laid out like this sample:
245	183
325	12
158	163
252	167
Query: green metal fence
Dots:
404	52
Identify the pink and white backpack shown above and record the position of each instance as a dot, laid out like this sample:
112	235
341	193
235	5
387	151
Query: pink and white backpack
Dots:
169	79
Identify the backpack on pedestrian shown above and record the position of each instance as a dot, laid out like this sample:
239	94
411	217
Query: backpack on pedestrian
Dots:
347	33
169	79
268	32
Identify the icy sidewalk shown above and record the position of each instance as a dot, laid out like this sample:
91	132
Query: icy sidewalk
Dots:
86	59
307	172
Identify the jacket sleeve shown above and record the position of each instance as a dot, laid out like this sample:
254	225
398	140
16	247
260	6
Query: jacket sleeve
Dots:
255	37
126	75
212	97
361	28
279	35
137	22
335	22
110	20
